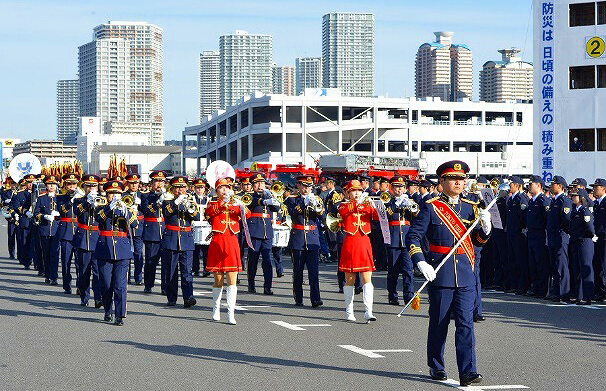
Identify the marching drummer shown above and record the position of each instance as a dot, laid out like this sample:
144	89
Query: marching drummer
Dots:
200	250
224	215
356	252
304	242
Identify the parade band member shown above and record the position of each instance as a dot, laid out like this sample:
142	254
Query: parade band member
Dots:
132	189
113	251
67	227
85	241
224	262
153	229
47	214
20	210
304	241
356	252
200	250
178	242
7	196
444	220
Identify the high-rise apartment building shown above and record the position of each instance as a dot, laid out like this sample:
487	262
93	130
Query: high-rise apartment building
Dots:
508	79
308	73
68	111
348	41
245	65
283	79
121	77
444	69
209	82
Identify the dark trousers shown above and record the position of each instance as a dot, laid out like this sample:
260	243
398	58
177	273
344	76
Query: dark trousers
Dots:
113	276
87	264
378	249
399	263
477	307
24	246
499	256
172	259
599	267
311	259
37	250
67	252
50	256
581	268
276	253
442	301
517	261
262	248
12	237
560	274
538	260
138	259
152	259
200	257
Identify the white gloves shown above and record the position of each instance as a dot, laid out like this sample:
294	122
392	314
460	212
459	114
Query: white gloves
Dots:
91	197
180	199
267	193
595	238
29	214
402	201
310	200
427	270
161	199
485	221
137	200
271	201
362	198
7	201
6	215
49	217
226	198
55	213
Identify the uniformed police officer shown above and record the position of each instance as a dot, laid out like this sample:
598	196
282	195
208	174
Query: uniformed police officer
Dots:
304	243
178	241
153	229
558	223
400	212
47	214
21	205
536	223
582	233
599	259
517	276
85	241
499	243
261	233
114	250
453	288
200	251
132	189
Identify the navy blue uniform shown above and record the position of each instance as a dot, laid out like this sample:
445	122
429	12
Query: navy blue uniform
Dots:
20	204
177	249
200	251
599	259
581	253
304	244
398	259
113	253
517	275
276	252
332	199
262	235
379	251
67	229
152	236
47	231
538	254
558	222
138	259
84	242
454	286
7	196
500	248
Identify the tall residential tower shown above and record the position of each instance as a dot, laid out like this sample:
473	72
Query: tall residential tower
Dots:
283	80
209	82
68	110
508	79
308	73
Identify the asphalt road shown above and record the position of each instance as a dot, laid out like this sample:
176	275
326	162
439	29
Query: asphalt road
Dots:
49	342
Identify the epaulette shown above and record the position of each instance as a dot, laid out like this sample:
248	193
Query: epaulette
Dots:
19	191
431	200
470	201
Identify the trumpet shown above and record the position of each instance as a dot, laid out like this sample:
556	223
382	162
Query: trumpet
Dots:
277	189
191	205
246	199
333	222
100	201
128	200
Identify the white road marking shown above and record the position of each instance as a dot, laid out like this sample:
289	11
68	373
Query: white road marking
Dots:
297	327
455	384
373	353
200	293
247	307
591	307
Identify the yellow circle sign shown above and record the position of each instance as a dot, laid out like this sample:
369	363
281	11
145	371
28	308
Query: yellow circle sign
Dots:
595	47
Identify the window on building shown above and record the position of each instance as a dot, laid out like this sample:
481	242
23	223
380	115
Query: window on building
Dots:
582	77
581	140
601	133
601	12
582	14
397	146
435	146
601	76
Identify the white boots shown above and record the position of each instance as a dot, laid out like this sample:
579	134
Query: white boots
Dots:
231	293
367	296
217	293
349	296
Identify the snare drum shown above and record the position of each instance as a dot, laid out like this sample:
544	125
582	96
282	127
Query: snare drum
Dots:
281	236
202	230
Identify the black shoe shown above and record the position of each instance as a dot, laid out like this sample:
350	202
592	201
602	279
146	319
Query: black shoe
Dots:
41	273
268	292
478	318
67	291
189	303
206	274
98	304
12	257
119	322
394	301
600	298
163	292
341	290
78	291
570	300
470	378
298	304
54	282
147	290
252	290
196	274
46	281
84	303
139	283
359	290
107	317
280	275
26	267
555	299
584	302
529	294
510	291
171	303
438	375
316	304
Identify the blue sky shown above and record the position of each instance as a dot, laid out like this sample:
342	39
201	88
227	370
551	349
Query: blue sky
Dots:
39	41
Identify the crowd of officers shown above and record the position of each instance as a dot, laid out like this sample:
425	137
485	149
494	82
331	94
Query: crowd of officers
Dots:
551	242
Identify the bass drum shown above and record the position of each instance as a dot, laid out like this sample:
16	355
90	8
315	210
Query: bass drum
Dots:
281	236
202	230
